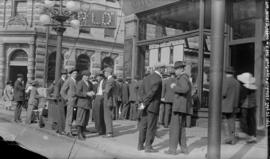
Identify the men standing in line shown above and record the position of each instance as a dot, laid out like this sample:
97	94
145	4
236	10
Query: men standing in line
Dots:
19	97
150	93
98	109
230	100
125	100
85	95
68	92
60	102
168	97
181	108
109	101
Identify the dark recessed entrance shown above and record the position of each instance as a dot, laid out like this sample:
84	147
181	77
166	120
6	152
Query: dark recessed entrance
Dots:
242	58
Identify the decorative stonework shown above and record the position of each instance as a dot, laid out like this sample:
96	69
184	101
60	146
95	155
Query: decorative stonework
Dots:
17	20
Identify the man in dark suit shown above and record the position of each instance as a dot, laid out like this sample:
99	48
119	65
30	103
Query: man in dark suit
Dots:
150	96
230	100
60	101
98	109
68	92
181	108
85	95
109	101
125	100
167	98
133	99
19	97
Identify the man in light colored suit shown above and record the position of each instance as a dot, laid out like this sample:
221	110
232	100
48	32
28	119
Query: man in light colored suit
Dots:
109	101
85	95
68	92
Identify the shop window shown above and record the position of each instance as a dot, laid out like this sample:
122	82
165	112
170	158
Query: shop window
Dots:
171	55
19	8
243	18
111	1
159	54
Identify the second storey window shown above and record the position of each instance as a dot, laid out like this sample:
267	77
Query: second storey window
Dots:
19	8
109	32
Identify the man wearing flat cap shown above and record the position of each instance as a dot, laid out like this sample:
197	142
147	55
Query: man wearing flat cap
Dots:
85	96
61	104
109	101
68	92
230	99
98	108
19	97
180	109
150	98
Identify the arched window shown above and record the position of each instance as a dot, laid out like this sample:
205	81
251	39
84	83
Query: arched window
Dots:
107	62
83	62
18	57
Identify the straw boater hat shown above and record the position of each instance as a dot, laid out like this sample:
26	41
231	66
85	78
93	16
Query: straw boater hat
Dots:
251	86
72	70
179	64
246	78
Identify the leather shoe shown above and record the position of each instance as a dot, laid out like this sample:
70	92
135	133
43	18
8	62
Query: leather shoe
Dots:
150	150
170	152
184	151
140	147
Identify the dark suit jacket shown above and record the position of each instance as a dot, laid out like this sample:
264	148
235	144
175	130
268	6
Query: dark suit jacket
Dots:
108	92
84	101
167	91
19	91
133	91
182	95
151	92
57	89
230	94
68	91
125	93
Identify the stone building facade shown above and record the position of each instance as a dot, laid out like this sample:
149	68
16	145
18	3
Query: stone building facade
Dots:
29	48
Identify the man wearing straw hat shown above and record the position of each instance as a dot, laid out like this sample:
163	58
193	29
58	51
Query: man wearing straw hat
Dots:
248	106
230	99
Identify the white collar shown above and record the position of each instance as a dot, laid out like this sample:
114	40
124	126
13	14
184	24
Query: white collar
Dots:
158	73
110	76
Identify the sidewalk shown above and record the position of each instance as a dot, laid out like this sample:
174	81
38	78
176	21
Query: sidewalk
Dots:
124	144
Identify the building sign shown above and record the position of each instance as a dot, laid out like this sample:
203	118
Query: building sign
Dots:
135	6
97	19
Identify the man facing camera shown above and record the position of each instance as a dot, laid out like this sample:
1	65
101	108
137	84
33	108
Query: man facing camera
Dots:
19	97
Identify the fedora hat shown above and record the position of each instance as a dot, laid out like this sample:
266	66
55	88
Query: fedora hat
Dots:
246	78
251	86
86	73
179	64
72	70
229	70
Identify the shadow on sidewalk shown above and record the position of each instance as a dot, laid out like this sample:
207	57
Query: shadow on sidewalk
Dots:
246	147
165	144
124	130
202	142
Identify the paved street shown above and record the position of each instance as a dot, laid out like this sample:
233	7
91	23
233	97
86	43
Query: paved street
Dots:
123	145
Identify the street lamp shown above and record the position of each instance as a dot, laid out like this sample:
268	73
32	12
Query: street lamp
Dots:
56	15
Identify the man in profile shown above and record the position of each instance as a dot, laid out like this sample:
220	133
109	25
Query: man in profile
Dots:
19	97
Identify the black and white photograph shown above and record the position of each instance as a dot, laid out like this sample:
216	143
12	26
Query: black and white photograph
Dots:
134	79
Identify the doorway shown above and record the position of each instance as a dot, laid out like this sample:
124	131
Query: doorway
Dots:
242	58
14	70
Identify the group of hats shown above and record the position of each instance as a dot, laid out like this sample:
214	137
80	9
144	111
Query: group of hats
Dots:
248	80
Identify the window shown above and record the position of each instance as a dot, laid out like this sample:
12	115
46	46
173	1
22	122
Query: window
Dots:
19	8
159	54
109	32
111	1
171	55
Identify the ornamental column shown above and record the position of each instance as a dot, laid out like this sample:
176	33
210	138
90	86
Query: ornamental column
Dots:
31	62
2	68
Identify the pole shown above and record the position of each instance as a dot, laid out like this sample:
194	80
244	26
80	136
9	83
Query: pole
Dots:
216	75
58	63
201	52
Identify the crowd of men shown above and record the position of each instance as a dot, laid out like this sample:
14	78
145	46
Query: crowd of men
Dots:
156	99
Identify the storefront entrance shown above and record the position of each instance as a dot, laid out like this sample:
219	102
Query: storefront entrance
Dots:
14	70
18	65
242	58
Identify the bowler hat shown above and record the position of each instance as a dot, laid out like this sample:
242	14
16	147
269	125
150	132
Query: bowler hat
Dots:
72	70
179	64
229	70
20	75
86	73
108	69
